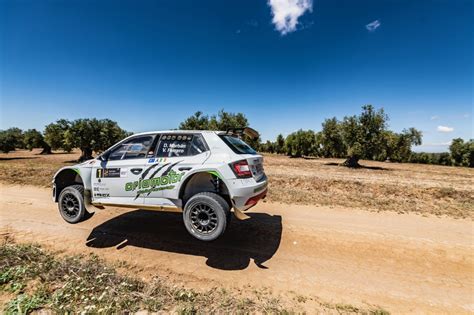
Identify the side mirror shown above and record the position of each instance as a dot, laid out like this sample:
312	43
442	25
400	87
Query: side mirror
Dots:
104	157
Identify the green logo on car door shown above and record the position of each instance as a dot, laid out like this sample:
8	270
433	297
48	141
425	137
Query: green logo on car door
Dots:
155	184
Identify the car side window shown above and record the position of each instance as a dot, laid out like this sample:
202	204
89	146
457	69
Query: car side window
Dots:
176	145
134	148
197	146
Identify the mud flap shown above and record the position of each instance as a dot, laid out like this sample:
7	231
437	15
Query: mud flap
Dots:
88	201
240	215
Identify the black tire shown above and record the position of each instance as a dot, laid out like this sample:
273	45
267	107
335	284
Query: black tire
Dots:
205	216
71	204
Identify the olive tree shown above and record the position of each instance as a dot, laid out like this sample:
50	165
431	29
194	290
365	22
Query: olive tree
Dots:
32	138
7	141
302	143
222	121
279	145
332	142
91	135
54	135
363	135
397	146
462	152
198	121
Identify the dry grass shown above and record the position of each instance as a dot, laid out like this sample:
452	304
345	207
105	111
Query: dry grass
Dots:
31	168
35	279
424	189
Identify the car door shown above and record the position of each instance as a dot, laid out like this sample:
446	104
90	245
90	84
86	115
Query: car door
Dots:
117	179
176	155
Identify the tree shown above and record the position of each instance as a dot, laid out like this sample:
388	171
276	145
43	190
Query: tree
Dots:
7	141
302	143
109	134
198	121
457	150
222	121
444	159
280	144
397	147
91	135
34	139
331	139
363	135
462	152
268	146
54	135
471	153
16	135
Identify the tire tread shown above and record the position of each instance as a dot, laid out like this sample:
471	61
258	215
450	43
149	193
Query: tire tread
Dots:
222	203
80	189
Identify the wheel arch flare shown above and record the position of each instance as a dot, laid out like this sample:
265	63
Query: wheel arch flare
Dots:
67	176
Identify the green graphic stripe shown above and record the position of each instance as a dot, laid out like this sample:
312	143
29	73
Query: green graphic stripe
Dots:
215	173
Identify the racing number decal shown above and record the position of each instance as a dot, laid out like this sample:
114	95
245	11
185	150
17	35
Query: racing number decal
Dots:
108	173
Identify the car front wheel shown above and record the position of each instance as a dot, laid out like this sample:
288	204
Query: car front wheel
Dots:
205	216
71	204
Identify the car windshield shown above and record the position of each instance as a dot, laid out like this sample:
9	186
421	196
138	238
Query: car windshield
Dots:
237	145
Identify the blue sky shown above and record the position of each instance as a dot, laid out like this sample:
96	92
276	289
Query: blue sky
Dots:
286	64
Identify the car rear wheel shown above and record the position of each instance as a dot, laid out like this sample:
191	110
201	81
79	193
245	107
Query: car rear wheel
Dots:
71	204
205	216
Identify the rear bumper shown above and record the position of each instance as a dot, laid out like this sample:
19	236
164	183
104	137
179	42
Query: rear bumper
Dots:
252	201
248	196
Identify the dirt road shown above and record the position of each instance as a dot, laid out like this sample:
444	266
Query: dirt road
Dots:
403	263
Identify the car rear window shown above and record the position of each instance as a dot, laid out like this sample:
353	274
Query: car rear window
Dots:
238	145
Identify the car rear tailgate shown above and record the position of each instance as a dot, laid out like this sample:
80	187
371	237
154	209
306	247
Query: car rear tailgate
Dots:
256	165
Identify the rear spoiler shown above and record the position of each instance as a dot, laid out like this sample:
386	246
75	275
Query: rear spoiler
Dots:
249	132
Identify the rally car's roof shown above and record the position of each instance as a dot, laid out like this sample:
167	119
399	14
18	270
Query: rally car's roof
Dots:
252	133
177	131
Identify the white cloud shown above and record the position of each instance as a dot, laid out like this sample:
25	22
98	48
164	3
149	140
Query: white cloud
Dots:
435	117
287	12
445	129
372	26
466	116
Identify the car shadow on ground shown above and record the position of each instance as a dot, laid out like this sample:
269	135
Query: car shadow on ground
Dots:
257	238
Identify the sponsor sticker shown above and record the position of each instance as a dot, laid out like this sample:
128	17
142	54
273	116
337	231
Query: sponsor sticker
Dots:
108	173
155	184
101	195
152	160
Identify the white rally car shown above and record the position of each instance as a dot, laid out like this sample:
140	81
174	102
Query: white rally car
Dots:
204	174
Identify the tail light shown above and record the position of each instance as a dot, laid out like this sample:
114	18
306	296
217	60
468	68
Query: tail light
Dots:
241	169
